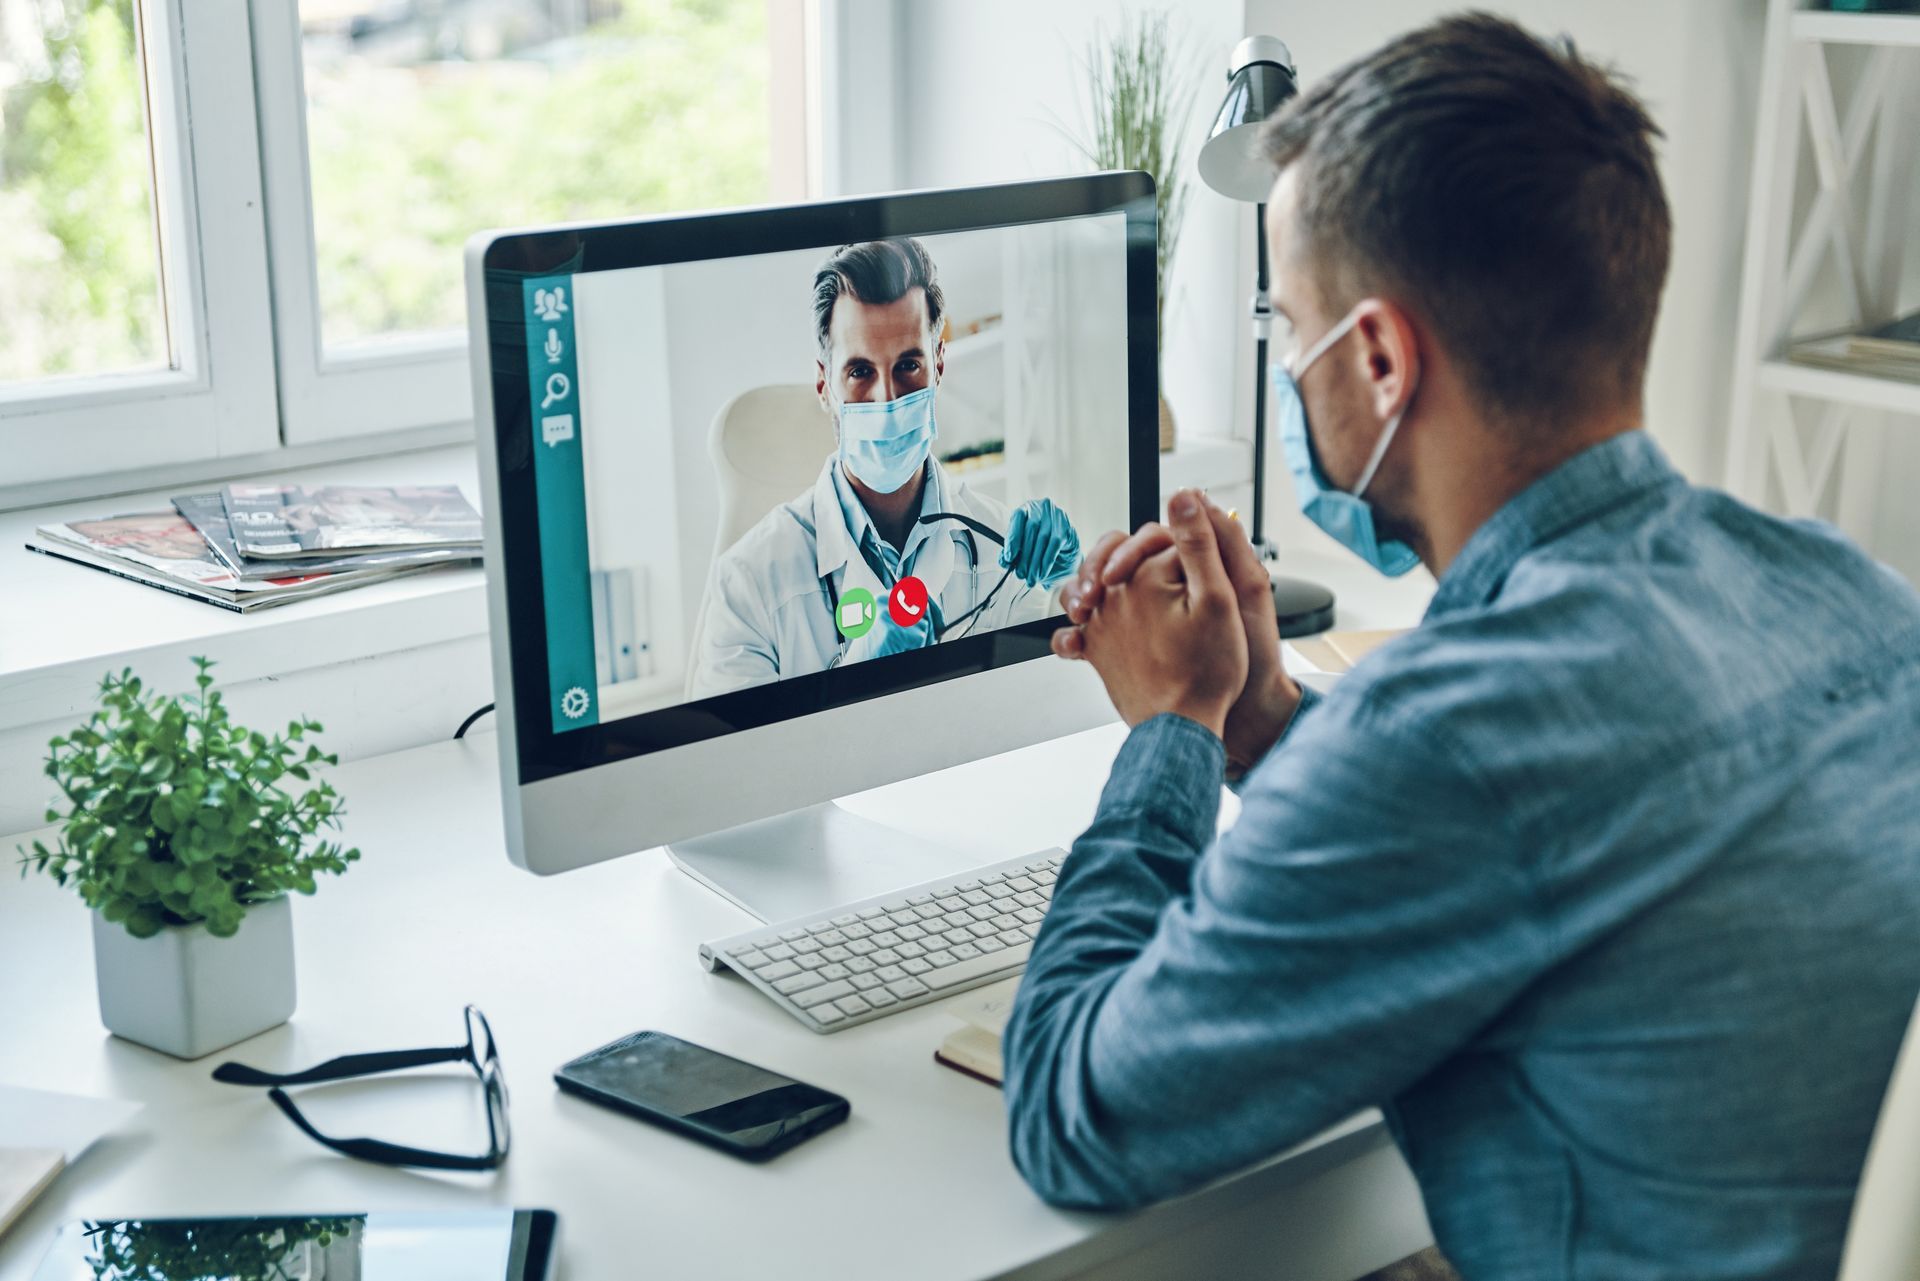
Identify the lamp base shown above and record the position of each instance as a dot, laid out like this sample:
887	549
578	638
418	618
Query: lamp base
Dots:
1302	608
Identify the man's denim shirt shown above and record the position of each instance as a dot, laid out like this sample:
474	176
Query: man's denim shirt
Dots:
1604	883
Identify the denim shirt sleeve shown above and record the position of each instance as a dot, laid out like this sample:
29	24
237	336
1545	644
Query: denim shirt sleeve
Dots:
1184	1015
1309	697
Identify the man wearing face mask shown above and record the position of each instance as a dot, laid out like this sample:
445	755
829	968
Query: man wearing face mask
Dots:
1603	882
883	509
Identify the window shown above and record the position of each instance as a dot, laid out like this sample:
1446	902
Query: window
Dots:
240	229
410	126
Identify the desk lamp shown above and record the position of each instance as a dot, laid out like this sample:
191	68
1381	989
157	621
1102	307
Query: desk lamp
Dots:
1260	78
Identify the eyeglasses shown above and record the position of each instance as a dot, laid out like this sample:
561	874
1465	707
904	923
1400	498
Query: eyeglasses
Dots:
480	1051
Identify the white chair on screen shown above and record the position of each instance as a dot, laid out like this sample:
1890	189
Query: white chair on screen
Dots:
1883	1238
767	446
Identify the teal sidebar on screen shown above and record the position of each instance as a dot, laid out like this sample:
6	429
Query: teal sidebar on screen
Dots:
560	483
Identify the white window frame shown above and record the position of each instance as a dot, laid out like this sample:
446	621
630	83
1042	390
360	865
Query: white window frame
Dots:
416	383
251	385
217	399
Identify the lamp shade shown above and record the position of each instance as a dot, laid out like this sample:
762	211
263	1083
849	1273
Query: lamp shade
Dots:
1260	79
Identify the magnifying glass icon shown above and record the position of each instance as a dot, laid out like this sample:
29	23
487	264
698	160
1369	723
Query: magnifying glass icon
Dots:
558	387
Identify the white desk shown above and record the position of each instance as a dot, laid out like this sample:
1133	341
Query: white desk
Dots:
917	1183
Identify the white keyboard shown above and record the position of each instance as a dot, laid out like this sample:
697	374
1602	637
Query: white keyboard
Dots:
856	962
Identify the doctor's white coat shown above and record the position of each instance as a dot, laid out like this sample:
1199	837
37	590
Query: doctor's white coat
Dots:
769	606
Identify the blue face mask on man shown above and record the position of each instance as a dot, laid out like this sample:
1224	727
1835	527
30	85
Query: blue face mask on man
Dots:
1343	515
884	445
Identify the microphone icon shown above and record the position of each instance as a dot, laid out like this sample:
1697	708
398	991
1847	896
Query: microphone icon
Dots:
553	347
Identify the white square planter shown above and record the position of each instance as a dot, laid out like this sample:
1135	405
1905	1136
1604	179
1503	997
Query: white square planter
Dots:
185	992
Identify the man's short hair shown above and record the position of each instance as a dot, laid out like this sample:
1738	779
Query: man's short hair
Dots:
1505	190
876	271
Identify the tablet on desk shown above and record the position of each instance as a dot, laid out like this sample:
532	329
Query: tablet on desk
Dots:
466	1245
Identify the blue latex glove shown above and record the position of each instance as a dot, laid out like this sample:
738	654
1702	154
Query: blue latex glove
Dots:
898	640
1042	547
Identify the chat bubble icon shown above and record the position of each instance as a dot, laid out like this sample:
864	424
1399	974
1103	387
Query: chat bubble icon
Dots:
555	428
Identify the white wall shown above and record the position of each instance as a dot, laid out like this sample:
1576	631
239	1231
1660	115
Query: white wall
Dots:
987	89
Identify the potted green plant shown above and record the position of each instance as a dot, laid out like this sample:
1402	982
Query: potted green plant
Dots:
1137	102
182	835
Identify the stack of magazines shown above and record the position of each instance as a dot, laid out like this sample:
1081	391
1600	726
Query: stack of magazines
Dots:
1891	350
247	547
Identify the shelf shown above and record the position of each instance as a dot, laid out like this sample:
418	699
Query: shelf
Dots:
1824	27
1838	385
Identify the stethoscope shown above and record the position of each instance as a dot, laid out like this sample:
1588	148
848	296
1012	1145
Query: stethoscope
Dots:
976	531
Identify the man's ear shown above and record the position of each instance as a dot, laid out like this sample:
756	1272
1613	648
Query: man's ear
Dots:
1388	353
820	385
939	359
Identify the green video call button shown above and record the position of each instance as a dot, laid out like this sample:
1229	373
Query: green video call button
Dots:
857	612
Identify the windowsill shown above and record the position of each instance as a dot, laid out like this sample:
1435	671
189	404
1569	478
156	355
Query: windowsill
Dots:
66	625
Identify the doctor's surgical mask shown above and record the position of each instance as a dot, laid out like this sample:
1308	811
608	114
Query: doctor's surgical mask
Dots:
885	444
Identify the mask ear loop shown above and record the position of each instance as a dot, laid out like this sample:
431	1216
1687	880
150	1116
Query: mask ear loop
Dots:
1318	350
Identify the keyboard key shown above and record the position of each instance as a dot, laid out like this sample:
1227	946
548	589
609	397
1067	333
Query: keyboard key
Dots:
806	945
958	936
779	952
789	936
1000	890
965	952
859	965
954	921
978	967
847	918
994	879
751	960
917	899
1042	865
829	938
825	992
952	903
906	989
868	913
819	928
983	930
826	1016
1029	915
906	919
1006	921
857	931
1028	899
964	886
855	1004
974	897
835	953
911	950
990	945
890	973
831	972
779	970
885	956
911	932
897	905
865	982
917	965
862	947
1012	938
942	957
1021	882
983	913
886	938
810	962
931	912
796	983
1047	877
879	998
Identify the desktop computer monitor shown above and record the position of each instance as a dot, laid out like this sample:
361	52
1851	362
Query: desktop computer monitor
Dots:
724	587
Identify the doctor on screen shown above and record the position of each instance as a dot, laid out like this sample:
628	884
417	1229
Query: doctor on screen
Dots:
886	552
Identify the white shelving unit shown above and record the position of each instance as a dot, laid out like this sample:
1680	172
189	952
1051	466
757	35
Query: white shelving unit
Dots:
1831	215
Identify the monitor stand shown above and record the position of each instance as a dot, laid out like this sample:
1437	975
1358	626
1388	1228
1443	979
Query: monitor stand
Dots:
798	863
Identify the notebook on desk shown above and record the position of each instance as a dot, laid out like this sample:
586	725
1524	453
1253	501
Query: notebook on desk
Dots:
973	1048
24	1174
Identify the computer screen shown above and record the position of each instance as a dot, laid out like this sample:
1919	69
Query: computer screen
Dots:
793	465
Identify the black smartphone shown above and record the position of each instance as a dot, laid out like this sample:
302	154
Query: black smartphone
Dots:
715	1098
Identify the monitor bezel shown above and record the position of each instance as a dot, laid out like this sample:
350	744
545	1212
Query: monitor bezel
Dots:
508	257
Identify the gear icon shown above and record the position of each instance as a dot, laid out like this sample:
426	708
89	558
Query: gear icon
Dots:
573	703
